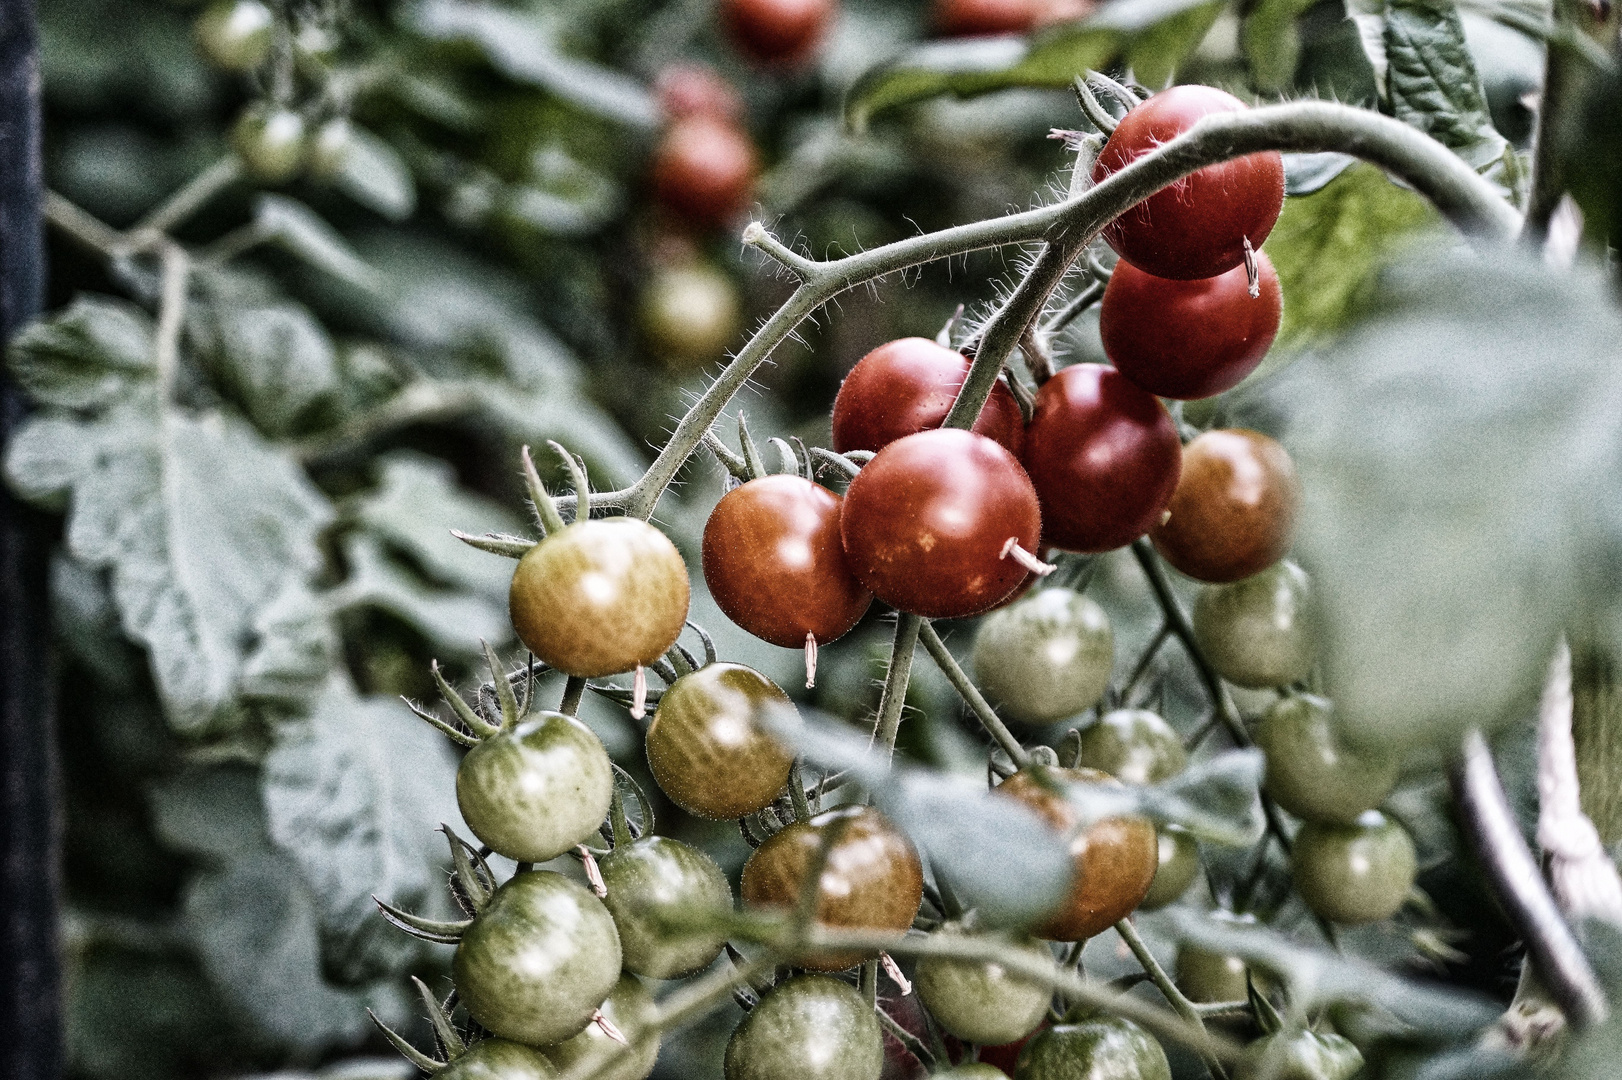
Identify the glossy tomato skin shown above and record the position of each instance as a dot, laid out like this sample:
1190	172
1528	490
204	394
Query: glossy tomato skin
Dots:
907	386
1104	456
1098	1048
872	878
1357	873
1210	977
1189	339
600	597
1196	228
1179	865
689	314
1301	1055
629	1008
271	143
708	746
657	878
1260	631
536	790
499	1059
1135	746
982	1002
1046	657
776	565
236	34
777	32
1234	511
538	960
972	1070
811	1027
704	169
1310	773
1115	858
925	522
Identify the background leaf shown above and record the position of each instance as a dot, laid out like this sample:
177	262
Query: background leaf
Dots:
86	356
1432	82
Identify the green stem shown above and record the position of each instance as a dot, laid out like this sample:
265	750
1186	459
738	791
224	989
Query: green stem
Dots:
191	198
171	318
912	1043
971	695
573	691
1221	703
1168	989
896	679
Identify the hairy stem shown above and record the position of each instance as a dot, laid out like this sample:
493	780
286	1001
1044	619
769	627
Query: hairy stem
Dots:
1168	989
896	679
971	695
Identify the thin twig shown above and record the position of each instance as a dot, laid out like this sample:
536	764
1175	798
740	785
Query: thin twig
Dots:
896	679
971	696
191	198
1083	300
1168	989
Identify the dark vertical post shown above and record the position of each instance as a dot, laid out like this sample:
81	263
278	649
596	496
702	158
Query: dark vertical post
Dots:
30	969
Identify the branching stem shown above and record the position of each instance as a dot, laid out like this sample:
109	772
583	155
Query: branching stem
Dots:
971	696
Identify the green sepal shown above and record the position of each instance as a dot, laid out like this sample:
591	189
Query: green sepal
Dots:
444	1030
751	452
503	687
546	511
450	732
577	477
508	547
477	724
1267	1017
409	1052
435	930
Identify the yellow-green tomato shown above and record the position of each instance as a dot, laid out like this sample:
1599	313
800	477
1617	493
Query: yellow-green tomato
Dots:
1300	1055
538	960
973	1070
498	1059
1098	1048
811	1027
329	150
1046	657
1135	746
657	880
1309	772
690	314
709	747
236	35
600	597
983	1002
1356	873
1259	632
1179	866
538	789
1207	976
271	143
629	1008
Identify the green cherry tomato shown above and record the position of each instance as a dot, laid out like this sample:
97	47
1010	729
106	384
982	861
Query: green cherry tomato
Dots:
1309	772
538	960
1135	746
236	35
689	314
536	790
1302	1055
271	143
1179	866
658	878
498	1059
809	1028
1357	873
1207	976
629	1008
1098	1048
329	150
982	1002
1046	657
600	597
708	747
1259	632
974	1070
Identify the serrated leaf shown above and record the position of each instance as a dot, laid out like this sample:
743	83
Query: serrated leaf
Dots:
375	175
277	361
85	356
454	620
300	231
1431	79
294	647
1150	36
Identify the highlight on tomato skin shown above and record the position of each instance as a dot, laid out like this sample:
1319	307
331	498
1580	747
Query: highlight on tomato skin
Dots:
704	169
907	386
1234	511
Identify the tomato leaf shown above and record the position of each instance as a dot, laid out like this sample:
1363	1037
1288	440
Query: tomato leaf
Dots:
453	620
84	357
276	360
375	175
1271	42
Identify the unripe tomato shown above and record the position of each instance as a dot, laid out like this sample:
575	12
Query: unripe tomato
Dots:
1357	873
872	878
600	597
629	1008
1104	456
708	747
1098	1048
972	1070
778	32
1259	632
1179	865
656	879
978	18
775	563
1233	514
1135	746
329	150
808	1028
982	1002
1300	1055
1189	339
271	143
1210	977
498	1059
1115	858
1046	657
1197	227
538	960
1310	773
689	313
704	169
696	90
236	35
536	790
907	386
926	522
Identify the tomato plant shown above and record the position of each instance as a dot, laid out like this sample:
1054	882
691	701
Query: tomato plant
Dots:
1094	1048
655	881
907	386
1354	873
1233	513
236	34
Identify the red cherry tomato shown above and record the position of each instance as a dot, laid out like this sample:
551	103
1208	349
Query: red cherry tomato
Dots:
976	18
785	32
926	521
775	563
1233	514
1189	339
1104	457
1196	228
687	90
705	169
907	386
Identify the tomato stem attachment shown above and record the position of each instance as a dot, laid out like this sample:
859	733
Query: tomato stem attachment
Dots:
606	1026
893	969
1101	117
577	477
896	678
1012	547
573	691
594	873
639	693
1168	989
1253	273
810	660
